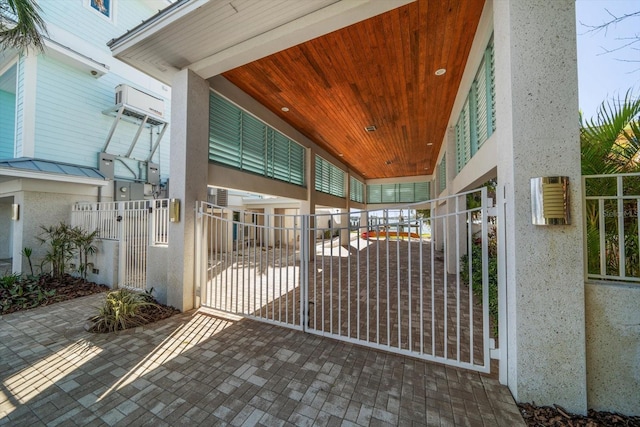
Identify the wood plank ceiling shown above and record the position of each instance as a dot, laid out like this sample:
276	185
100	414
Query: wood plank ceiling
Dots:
379	72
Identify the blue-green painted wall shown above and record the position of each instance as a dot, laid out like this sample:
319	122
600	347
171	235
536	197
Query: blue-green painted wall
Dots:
76	17
70	124
7	124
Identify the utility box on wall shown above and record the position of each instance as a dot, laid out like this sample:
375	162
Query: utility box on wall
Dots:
127	190
106	164
153	173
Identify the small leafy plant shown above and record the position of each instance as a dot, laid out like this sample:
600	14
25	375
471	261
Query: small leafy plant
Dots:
122	309
64	242
18	293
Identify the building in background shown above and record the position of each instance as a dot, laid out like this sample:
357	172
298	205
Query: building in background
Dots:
77	124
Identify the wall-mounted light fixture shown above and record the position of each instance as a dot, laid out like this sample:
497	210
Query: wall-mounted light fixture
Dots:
174	210
550	200
15	212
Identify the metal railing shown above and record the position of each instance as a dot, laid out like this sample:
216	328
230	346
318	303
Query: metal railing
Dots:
611	227
385	284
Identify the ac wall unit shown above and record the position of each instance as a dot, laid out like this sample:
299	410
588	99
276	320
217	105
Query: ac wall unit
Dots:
140	100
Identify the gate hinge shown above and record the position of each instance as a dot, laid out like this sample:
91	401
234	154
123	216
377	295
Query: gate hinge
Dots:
492	211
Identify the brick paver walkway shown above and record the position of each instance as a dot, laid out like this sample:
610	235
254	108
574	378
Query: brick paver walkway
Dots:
196	369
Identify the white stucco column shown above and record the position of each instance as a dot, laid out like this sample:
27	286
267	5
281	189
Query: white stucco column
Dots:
308	207
456	224
270	230
188	182
537	135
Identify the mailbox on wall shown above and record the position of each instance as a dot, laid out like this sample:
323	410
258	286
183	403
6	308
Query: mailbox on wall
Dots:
550	200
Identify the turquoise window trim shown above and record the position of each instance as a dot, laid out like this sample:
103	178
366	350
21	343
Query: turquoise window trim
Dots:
241	141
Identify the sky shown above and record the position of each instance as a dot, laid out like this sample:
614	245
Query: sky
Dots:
605	76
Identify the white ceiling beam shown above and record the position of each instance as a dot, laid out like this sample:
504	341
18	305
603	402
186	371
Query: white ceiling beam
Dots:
331	18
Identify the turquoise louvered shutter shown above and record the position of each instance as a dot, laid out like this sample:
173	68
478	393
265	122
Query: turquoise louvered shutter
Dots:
253	144
225	132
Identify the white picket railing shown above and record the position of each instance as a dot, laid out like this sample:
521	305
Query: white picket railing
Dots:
612	227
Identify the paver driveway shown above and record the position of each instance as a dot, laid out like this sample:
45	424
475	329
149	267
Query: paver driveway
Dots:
197	369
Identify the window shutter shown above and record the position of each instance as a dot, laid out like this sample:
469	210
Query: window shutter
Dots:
374	193
296	163
253	145
240	140
225	129
422	191
356	190
491	112
442	174
481	104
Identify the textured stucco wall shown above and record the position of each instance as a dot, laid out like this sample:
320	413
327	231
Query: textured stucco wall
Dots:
157	271
537	135
41	209
613	348
105	261
6	228
189	177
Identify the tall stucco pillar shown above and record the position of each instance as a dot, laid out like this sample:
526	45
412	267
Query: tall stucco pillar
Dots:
456	231
537	131
188	180
308	207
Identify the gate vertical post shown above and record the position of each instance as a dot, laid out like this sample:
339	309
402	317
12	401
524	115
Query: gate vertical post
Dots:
122	251
198	288
304	270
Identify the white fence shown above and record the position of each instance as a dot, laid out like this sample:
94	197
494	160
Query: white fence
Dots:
135	225
611	227
391	286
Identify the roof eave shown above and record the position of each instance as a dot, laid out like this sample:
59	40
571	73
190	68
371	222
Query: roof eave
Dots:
154	24
46	176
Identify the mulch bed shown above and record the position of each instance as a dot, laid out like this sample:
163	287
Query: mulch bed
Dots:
546	416
69	287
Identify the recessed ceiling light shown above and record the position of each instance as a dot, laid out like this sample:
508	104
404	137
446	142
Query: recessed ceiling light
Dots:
440	71
429	143
388	162
340	154
370	128
285	109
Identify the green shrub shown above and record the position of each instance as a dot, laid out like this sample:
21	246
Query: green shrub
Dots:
476	275
122	309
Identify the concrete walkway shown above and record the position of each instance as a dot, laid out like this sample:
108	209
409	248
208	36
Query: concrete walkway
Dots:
196	369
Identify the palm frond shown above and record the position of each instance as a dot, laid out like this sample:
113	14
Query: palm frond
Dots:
610	142
21	26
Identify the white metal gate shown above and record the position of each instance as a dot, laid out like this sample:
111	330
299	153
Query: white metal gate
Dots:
135	224
379	279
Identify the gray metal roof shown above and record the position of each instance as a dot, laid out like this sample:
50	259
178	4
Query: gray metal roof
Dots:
49	166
